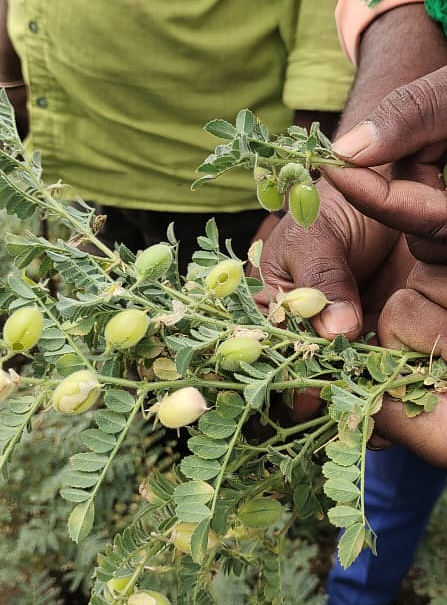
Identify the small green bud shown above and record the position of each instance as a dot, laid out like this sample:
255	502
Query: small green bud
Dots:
148	597
234	350
182	537
126	329
23	329
305	302
224	278
76	393
154	262
260	512
293	173
268	195
304	204
181	408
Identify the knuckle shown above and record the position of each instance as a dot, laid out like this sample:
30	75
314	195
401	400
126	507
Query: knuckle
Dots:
390	318
417	104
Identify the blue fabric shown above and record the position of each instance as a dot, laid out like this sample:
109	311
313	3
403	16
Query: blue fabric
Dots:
401	490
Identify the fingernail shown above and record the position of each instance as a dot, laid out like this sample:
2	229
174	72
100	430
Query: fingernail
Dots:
355	141
340	318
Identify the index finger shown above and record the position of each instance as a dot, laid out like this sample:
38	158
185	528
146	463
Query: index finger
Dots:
403	205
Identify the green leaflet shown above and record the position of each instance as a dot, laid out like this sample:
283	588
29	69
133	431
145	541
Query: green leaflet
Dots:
216	427
341	490
193	492
229	404
351	544
342	454
98	441
81	520
197	468
207	448
343	516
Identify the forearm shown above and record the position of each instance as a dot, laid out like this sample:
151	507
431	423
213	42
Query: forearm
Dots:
398	47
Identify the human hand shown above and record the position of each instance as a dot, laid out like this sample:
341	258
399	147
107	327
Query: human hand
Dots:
409	127
338	255
416	317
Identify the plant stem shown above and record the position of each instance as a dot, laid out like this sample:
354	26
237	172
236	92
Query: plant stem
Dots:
227	457
315	160
378	392
118	444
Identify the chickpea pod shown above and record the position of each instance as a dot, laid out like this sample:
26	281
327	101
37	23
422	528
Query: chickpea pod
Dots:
182	537
23	329
268	195
292	173
305	302
76	393
234	350
116	585
224	278
148	597
304	204
154	262
181	408
126	329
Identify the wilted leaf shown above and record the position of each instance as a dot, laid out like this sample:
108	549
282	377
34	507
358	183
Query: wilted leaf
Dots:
165	369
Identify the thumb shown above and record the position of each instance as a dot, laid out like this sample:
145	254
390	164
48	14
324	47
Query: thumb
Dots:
409	118
315	258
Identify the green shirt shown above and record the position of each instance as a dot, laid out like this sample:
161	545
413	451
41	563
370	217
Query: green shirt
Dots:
120	89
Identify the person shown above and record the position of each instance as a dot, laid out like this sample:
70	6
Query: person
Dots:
118	95
373	257
402	489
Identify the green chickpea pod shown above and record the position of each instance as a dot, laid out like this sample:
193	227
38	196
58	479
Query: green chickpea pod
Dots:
23	329
126	329
305	302
154	262
182	535
234	350
76	393
148	597
304	204
224	278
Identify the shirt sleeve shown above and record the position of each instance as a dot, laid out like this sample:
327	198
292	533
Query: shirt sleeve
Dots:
354	16
318	76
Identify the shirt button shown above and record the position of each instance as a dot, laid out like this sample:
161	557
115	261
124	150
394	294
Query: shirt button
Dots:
33	26
42	102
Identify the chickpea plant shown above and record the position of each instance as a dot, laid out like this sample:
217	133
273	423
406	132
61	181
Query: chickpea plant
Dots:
283	165
126	336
